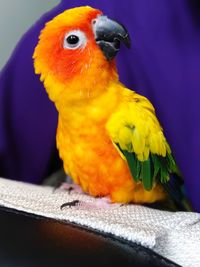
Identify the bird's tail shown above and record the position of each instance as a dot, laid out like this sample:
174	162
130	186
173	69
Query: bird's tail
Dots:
176	191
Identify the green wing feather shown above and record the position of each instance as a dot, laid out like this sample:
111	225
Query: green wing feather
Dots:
155	168
158	169
146	174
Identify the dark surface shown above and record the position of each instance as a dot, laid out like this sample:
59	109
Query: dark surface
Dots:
28	240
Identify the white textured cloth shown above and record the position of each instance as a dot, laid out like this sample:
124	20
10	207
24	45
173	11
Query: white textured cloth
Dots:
174	235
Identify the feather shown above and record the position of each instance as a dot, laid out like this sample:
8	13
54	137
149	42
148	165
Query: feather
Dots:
134	165
147	178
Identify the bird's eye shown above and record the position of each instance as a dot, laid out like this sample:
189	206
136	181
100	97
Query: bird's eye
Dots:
74	39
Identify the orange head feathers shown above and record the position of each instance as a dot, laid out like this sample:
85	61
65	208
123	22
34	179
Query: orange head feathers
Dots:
75	52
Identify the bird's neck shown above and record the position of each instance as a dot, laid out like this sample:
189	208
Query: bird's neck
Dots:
91	111
91	95
92	82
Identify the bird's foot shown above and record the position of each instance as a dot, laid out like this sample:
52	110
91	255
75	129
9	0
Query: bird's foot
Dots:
71	188
99	203
105	202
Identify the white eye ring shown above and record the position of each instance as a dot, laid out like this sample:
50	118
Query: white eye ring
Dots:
74	39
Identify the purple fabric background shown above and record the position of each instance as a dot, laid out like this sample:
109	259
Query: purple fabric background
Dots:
163	64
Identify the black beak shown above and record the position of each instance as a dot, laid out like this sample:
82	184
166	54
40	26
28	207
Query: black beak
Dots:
109	34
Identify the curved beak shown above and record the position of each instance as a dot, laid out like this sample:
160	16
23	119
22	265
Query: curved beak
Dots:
109	34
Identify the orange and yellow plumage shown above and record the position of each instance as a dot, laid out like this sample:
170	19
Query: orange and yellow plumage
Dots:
99	117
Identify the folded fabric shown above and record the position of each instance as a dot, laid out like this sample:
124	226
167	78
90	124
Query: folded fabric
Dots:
174	235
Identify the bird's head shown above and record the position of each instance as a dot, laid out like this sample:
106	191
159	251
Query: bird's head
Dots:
75	53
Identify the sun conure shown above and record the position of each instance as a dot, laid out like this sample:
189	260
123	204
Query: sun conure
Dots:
108	136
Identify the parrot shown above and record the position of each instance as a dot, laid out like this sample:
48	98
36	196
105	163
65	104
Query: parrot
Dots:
108	136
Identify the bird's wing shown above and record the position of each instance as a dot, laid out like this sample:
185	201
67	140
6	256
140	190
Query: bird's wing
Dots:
138	136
